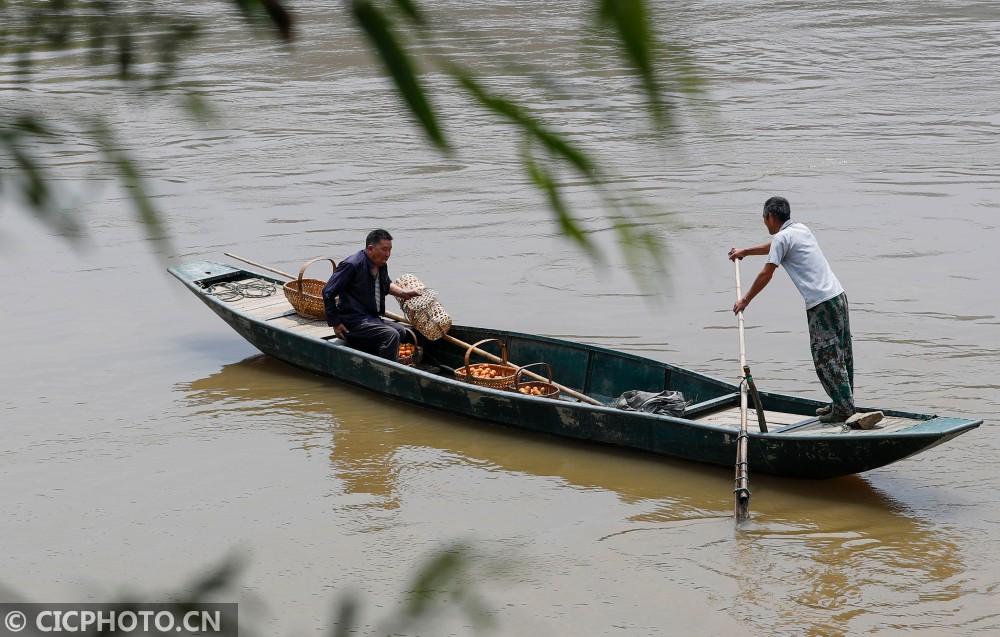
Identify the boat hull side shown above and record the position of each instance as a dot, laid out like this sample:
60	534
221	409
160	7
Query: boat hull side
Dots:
799	456
792	457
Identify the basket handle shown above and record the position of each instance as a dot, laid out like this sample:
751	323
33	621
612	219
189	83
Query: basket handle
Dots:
302	270
503	353
517	374
413	335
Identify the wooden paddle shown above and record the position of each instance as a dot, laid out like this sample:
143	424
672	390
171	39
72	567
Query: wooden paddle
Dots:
451	339
742	490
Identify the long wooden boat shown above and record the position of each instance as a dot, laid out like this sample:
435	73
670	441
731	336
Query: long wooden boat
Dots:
795	445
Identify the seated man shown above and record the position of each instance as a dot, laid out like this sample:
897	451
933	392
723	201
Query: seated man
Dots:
354	298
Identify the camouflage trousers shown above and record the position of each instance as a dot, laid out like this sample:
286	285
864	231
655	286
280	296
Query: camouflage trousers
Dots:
832	352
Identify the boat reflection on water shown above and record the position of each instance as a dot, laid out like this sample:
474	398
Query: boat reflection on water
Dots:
823	545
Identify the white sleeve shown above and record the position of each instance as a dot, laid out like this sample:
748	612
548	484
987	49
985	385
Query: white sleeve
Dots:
779	248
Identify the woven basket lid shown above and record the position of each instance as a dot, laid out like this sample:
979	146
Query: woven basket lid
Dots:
419	303
409	282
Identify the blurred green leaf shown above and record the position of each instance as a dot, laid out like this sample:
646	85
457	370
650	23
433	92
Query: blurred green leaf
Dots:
378	28
346	617
684	72
110	33
436	576
215	580
198	106
146	212
273	10
168	48
25	175
511	111
438	585
644	252
630	20
145	44
131	179
544	181
126	57
410	10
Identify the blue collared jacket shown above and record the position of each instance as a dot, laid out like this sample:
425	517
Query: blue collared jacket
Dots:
349	295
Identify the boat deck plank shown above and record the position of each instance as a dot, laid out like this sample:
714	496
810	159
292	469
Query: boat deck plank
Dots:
254	306
888	424
778	421
303	325
731	417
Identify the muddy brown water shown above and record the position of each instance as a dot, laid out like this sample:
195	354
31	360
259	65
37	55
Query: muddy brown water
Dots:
145	441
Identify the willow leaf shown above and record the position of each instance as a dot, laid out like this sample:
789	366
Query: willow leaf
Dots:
274	10
25	175
544	181
132	181
143	204
630	19
377	27
508	109
410	10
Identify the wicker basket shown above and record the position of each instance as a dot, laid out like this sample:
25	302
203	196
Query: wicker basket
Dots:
306	295
418	354
535	387
424	312
504	378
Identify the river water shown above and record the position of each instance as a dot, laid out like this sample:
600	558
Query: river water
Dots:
145	441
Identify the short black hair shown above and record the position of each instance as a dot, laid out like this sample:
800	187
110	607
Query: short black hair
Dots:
376	237
779	208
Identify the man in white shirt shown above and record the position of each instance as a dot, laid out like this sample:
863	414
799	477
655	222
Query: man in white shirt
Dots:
795	248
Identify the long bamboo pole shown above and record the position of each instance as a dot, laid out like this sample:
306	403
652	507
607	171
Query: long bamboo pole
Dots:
742	490
451	339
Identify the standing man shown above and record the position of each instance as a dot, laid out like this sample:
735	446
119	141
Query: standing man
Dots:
795	248
354	298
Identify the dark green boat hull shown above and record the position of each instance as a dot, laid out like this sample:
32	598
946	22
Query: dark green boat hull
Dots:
600	373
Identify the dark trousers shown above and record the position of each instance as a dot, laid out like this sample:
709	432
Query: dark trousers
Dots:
832	351
376	335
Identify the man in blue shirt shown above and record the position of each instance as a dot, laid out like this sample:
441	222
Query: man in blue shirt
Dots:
795	248
354	298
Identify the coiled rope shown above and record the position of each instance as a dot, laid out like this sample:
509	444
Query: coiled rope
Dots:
234	291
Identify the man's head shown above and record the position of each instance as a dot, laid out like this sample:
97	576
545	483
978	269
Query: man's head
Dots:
378	247
777	211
